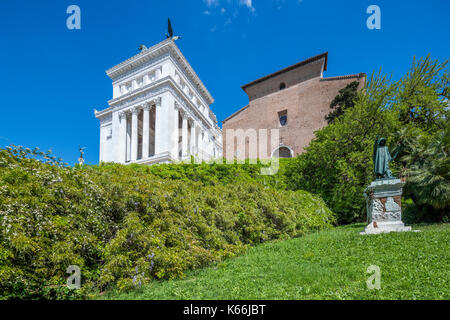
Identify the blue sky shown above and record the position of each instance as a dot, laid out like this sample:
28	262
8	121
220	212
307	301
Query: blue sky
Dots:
53	78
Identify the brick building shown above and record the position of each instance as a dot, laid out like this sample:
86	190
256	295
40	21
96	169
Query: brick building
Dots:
294	100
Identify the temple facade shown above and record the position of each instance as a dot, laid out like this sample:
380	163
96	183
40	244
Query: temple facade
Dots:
160	111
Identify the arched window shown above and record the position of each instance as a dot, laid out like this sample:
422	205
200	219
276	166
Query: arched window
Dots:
282	86
282	152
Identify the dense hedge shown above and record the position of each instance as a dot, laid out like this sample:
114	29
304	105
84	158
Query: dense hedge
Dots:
124	226
218	173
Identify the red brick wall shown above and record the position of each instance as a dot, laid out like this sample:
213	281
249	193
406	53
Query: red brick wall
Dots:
307	103
290	78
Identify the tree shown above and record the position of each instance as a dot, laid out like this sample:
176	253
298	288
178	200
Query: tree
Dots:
428	172
422	98
344	100
337	164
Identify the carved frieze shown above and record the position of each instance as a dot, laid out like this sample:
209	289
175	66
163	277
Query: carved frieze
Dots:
384	200
105	119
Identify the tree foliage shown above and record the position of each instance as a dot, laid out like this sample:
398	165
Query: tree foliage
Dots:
428	172
344	100
422	96
338	162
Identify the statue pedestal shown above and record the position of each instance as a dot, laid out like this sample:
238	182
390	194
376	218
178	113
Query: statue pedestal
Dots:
384	206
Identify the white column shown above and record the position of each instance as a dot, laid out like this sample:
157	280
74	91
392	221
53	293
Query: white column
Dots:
116	91
102	139
146	132
184	134
193	136
158	127
128	135
165	126
206	145
176	129
122	143
115	139
200	144
134	133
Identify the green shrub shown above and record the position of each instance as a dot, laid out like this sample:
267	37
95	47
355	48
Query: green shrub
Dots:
124	226
215	173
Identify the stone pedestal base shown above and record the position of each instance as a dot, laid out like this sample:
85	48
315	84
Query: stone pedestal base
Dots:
385	227
384	207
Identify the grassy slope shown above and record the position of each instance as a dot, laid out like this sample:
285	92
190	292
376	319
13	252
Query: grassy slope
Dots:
326	265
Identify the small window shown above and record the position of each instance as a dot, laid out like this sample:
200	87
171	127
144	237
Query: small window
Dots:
282	116
282	86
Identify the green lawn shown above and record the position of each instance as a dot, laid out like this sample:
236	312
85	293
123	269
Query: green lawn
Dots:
326	265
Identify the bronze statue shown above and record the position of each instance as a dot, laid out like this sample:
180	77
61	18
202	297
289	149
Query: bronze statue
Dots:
81	159
169	29
381	159
170	35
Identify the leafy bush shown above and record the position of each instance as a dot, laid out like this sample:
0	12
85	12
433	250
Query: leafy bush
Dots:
124	226
216	173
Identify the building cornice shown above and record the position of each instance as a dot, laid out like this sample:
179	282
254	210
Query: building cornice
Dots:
235	114
322	56
149	92
159	49
349	76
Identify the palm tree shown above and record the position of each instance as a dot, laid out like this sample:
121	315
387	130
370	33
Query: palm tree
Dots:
428	172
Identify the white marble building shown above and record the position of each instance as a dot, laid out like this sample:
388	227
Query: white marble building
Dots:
159	112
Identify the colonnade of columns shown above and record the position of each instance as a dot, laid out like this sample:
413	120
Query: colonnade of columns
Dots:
138	141
192	138
142	130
